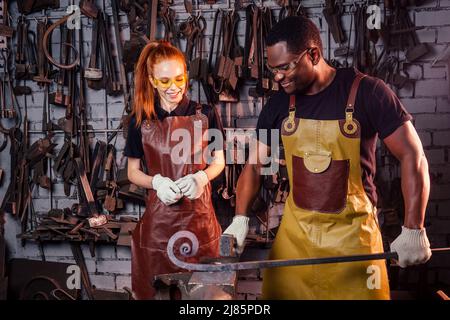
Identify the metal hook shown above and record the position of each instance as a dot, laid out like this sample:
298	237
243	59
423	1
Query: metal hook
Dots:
45	46
353	7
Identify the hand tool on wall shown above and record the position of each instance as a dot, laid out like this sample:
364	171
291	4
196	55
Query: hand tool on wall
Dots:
288	9
86	197
37	156
94	73
225	58
82	114
30	6
333	12
88	8
119	48
46	39
258	23
362	57
80	261
113	83
153	14
168	18
12	200
142	16
399	33
62	97
42	76
11	112
6	31
25	57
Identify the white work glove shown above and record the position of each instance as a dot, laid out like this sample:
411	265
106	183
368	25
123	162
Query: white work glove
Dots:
239	229
193	185
166	190
412	247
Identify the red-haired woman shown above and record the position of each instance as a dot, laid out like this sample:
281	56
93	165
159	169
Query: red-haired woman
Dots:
179	192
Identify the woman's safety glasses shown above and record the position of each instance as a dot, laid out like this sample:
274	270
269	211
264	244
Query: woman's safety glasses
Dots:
166	83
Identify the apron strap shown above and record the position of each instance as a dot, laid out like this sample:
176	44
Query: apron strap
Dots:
350	126
292	106
292	102
353	91
350	102
198	109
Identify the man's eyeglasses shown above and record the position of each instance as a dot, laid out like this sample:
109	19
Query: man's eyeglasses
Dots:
166	83
288	66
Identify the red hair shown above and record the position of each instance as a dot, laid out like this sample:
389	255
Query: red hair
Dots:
144	93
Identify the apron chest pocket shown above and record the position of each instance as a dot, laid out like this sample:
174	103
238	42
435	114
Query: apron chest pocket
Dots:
320	183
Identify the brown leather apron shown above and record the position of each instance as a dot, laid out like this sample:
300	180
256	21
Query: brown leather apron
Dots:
160	222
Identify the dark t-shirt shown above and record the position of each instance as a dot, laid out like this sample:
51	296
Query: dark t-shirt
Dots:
377	109
133	145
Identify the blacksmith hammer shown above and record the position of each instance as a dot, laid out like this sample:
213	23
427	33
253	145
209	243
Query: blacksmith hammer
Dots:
228	245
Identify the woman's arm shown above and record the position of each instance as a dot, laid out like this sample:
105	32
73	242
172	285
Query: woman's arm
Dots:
217	165
139	178
136	175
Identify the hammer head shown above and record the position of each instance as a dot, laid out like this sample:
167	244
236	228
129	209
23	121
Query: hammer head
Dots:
227	246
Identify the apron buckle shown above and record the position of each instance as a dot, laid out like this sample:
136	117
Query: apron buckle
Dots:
350	126
289	124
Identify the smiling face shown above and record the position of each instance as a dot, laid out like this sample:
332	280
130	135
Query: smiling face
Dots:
300	77
169	79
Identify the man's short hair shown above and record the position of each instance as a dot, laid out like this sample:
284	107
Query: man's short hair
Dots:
298	32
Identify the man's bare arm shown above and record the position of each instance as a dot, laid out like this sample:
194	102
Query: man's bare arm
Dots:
406	146
250	180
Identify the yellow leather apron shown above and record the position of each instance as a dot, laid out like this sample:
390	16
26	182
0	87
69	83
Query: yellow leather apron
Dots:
327	213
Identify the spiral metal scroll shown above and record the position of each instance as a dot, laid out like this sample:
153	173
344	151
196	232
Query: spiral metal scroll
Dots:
187	249
190	249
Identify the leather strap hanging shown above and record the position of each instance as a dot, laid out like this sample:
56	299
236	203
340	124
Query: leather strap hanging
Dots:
119	48
92	73
25	57
42	77
168	18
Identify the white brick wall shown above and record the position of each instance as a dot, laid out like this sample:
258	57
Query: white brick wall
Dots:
436	18
426	100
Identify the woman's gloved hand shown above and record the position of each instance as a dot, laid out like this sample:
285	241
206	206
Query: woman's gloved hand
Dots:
166	190
239	229
412	247
193	185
